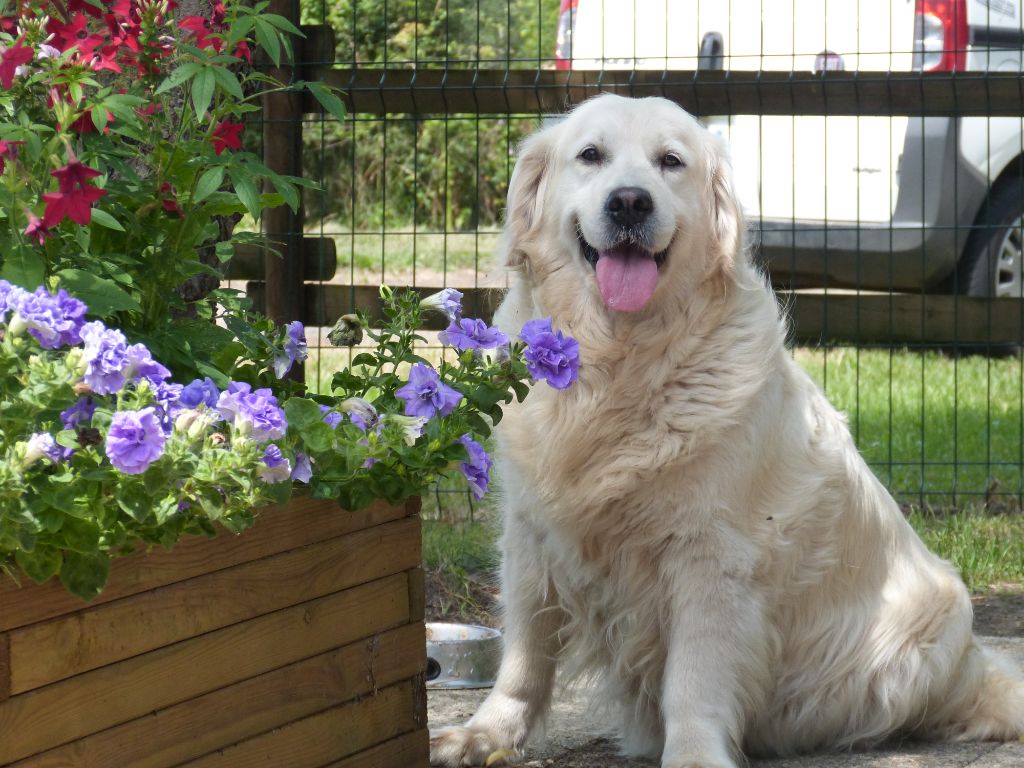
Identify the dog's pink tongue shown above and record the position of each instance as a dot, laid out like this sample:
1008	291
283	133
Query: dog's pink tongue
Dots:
626	278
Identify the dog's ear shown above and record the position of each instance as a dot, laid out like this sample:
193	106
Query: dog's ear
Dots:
727	223
525	193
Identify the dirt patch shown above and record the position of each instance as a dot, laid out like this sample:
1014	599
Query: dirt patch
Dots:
473	600
999	612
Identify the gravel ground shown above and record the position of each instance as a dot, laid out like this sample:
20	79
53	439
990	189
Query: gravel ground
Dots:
576	739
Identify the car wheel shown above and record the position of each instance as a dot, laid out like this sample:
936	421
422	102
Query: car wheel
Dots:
993	261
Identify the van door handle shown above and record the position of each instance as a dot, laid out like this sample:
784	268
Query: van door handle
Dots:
712	51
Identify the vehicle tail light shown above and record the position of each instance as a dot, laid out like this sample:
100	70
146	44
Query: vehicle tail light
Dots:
940	36
563	41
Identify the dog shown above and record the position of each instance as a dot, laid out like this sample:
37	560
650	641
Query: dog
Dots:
690	525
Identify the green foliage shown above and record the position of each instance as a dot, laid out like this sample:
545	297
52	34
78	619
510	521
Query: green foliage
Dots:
987	549
446	175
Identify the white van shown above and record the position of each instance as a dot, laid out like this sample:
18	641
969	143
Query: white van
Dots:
872	202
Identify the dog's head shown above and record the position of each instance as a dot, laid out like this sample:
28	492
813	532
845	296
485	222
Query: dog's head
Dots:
630	199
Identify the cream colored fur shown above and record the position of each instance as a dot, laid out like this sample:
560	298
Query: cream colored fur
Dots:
691	523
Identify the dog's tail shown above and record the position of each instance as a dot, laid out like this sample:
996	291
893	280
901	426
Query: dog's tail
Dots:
994	711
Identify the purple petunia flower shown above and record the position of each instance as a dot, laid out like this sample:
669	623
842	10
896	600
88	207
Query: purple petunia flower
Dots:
472	334
276	468
141	365
478	469
550	356
135	440
199	392
8	293
295	350
105	355
426	395
168	403
78	413
53	320
253	413
303	470
448	301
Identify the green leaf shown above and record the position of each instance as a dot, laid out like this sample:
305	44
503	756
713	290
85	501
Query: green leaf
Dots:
104	219
23	266
318	437
208	183
228	82
281	23
246	191
102	296
328	100
133	499
85	574
202	91
178	77
80	535
266	36
41	564
302	412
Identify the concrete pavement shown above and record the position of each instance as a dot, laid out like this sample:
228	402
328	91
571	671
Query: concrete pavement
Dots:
575	737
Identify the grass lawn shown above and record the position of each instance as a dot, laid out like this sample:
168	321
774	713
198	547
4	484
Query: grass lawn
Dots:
945	435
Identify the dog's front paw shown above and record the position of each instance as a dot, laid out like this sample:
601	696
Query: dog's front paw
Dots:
458	747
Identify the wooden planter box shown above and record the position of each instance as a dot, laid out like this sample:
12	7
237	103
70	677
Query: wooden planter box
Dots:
299	643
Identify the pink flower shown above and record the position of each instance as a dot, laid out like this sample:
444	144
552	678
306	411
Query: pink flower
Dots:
76	205
227	135
10	60
36	230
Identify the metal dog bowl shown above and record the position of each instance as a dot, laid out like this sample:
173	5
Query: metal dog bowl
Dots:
462	655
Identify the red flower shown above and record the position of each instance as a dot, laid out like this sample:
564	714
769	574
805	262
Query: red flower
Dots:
74	174
8	149
75	198
85	124
170	203
243	51
36	230
106	59
10	60
201	28
76	205
227	135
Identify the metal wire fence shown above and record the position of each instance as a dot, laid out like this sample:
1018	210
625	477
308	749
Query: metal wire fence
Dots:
878	147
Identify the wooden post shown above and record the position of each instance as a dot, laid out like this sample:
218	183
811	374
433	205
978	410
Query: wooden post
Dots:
282	153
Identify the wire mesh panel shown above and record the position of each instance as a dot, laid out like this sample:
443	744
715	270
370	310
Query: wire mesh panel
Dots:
877	145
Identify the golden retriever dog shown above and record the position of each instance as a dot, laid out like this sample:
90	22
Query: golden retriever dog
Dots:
690	525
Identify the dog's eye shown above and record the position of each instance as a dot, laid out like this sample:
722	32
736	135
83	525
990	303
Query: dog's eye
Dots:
590	155
672	160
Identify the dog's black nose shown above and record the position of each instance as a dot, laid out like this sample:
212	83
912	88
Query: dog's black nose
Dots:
628	206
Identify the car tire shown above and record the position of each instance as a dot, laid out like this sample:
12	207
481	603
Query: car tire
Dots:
993	261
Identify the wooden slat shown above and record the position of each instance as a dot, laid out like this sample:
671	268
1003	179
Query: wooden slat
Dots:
326	736
409	751
904	319
326	303
229	715
80	706
277	529
50	651
417	594
899	318
377	91
5	666
319	260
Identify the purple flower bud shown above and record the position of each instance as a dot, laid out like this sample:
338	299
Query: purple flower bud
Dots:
332	418
135	440
303	469
276	468
42	445
478	469
448	301
426	395
199	391
295	349
550	356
